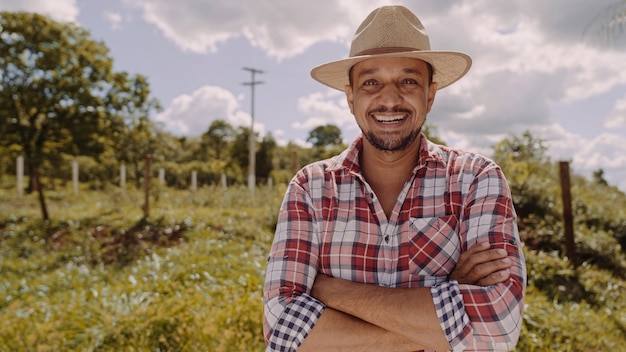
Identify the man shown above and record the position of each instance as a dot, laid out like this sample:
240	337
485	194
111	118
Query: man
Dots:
397	244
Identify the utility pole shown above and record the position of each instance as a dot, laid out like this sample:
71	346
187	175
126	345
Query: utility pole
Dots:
252	156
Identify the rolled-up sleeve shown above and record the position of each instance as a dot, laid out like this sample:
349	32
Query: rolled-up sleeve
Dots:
289	311
486	318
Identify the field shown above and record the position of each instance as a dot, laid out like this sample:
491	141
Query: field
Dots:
101	277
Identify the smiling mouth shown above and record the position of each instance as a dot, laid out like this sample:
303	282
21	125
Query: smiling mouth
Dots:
389	118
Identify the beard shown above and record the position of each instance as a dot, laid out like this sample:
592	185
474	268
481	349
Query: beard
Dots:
392	143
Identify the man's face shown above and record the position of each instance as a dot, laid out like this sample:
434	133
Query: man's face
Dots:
390	98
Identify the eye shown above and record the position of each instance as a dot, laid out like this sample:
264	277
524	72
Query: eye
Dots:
370	82
409	81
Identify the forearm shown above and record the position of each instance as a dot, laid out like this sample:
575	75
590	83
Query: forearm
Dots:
409	313
338	331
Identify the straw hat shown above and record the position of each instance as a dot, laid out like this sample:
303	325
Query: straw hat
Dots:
394	31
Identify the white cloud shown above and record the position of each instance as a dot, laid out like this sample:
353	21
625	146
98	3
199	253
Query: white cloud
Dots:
606	151
60	10
280	137
529	56
617	117
191	114
282	28
330	107
524	60
115	18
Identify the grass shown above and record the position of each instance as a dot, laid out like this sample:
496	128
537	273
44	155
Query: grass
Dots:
203	291
101	277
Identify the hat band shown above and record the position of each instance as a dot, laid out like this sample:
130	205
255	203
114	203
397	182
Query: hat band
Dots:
386	50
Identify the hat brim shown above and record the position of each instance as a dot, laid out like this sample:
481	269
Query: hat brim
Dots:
448	67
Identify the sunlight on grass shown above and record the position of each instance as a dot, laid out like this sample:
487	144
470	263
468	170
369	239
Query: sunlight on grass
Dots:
100	277
203	293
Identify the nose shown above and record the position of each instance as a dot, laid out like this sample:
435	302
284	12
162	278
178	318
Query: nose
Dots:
390	95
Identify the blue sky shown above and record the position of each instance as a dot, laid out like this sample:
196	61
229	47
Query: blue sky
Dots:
537	66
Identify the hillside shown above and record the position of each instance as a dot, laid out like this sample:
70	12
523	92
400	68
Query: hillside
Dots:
98	277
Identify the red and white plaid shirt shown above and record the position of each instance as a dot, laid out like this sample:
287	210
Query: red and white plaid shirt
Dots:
331	222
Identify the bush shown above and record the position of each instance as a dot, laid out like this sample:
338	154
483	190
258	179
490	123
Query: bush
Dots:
188	279
101	277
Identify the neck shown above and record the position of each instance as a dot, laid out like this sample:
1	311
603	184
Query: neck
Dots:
387	172
376	163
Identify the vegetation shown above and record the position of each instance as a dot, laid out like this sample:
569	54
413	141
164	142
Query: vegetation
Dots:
60	94
101	277
96	274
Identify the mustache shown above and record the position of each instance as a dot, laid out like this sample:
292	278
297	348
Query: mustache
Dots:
384	109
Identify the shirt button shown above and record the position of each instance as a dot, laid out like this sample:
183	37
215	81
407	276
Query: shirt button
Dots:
387	238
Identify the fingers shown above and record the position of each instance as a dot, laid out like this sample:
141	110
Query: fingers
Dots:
495	278
467	258
476	255
480	265
490	273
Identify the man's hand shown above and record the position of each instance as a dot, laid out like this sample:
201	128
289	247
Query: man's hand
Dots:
482	266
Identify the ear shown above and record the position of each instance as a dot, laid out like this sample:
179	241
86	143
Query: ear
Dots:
432	90
350	97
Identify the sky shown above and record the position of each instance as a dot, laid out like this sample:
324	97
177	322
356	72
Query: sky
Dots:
539	66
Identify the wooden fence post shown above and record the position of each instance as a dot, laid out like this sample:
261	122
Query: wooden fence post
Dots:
294	162
20	175
568	219
75	176
146	207
194	180
162	177
123	176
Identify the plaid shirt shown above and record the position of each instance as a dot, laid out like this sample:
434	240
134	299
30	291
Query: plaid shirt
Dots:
331	222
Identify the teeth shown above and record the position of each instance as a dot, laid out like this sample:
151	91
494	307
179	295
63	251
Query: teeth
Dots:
389	118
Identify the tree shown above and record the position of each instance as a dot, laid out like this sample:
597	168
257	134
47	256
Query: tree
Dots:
216	139
325	136
59	94
265	157
326	140
239	152
530	174
598	177
430	132
139	142
520	148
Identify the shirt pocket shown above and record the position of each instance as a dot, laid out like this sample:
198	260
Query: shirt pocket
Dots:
433	248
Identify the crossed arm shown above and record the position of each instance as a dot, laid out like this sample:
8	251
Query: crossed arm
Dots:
369	317
478	307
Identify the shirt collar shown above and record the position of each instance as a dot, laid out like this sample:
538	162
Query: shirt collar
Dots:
349	158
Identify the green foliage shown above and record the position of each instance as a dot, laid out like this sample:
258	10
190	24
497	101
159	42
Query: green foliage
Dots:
59	93
215	141
599	210
240	150
570	309
265	157
325	136
430	131
101	276
533	180
188	279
